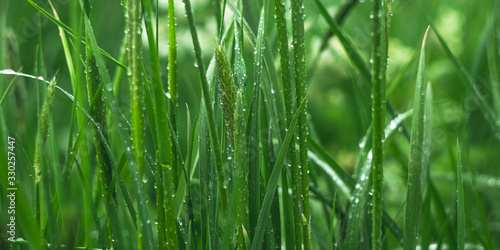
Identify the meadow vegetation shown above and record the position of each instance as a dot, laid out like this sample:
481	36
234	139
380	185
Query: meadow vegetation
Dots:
262	124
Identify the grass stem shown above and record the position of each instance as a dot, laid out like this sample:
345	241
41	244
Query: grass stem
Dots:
299	44
379	60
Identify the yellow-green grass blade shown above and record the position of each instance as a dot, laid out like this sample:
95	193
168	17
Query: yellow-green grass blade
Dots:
273	181
418	156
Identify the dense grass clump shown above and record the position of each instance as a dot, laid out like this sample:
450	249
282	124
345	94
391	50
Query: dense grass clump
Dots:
235	124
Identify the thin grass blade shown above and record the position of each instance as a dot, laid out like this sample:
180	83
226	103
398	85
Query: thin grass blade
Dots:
273	182
417	161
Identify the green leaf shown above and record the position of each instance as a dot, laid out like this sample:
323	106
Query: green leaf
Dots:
419	156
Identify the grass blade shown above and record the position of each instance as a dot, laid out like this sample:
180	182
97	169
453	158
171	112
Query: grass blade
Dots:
418	160
379	68
273	182
72	33
144	223
299	45
360	191
349	47
172	85
254	174
241	159
167	168
99	115
281	25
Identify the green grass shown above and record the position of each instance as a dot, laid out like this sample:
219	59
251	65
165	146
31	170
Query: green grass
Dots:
250	124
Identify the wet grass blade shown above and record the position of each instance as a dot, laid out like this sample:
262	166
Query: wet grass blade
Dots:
359	192
299	52
254	173
214	137
418	156
241	158
379	61
332	224
172	85
43	162
273	182
99	114
166	169
286	80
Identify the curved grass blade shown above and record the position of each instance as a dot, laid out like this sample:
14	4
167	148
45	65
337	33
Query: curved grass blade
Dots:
9	87
273	182
144	223
72	33
208	106
378	70
489	115
418	156
349	47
